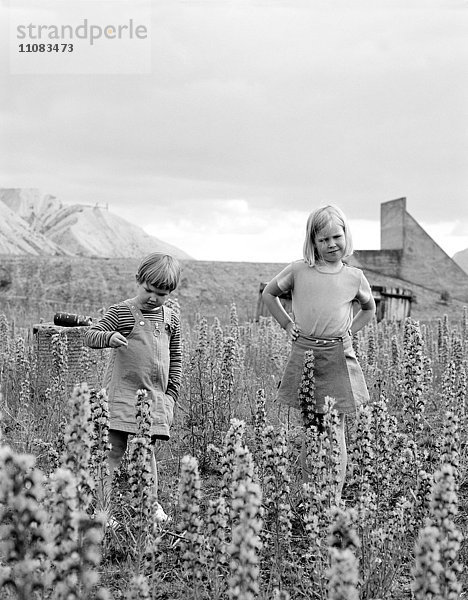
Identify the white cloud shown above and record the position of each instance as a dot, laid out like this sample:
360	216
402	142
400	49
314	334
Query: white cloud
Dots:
234	231
256	111
451	236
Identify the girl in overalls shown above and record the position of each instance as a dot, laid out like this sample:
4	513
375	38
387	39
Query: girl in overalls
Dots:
323	290
145	338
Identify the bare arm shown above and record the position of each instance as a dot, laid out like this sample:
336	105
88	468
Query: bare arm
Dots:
364	316
270	296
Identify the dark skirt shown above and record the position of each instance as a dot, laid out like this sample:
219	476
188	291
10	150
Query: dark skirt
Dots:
337	374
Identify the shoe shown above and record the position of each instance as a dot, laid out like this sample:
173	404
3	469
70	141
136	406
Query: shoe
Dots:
106	521
159	515
112	523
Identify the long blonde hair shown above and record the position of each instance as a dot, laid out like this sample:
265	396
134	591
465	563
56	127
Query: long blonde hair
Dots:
318	220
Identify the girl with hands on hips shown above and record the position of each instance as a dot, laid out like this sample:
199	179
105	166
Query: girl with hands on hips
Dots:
292	330
324	291
271	295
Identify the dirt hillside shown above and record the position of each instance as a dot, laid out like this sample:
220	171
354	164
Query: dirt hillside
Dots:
85	285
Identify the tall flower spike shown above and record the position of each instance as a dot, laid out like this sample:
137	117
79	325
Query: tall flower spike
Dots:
217	339
202	346
357	346
344	569
450	450
276	488
363	454
464	326
60	359
91	534
413	398
143	414
449	386
142	494
62	505
427	566
444	507
23	542
281	594
216	523
174	304
193	554
462	395
234	321
232	442
228	367
457	350
245	546
138	589
100	441
307	390
4	333
78	442
396	359
444	345
260	422
371	347
325	459
77	557
243	467
216	546
141	480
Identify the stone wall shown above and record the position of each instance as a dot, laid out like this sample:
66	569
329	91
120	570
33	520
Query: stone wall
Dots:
410	254
392	224
382	261
424	262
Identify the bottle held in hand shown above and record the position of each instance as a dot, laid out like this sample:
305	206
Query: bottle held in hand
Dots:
71	320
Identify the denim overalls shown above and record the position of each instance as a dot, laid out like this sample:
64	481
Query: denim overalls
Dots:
143	364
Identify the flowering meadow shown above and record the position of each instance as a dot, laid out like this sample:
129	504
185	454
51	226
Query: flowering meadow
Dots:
243	522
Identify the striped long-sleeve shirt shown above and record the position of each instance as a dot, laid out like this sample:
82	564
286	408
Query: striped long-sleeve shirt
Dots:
119	318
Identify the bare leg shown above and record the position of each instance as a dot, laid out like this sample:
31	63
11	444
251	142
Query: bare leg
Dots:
160	515
154	470
118	442
343	457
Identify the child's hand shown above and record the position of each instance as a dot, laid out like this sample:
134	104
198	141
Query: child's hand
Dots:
117	340
292	330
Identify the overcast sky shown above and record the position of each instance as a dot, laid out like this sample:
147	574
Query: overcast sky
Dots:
254	113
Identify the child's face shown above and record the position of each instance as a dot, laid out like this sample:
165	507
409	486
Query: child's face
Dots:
150	297
331	243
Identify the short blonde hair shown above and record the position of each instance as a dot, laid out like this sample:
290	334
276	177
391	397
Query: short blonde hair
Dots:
160	270
318	220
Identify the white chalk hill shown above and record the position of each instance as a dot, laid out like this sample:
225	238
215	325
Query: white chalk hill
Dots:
16	237
77	230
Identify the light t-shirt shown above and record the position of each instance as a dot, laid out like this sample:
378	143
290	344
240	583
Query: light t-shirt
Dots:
322	303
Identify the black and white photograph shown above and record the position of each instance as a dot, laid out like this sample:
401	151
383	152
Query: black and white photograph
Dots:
233	299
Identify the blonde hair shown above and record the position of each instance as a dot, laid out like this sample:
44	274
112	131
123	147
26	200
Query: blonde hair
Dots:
160	270
318	220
